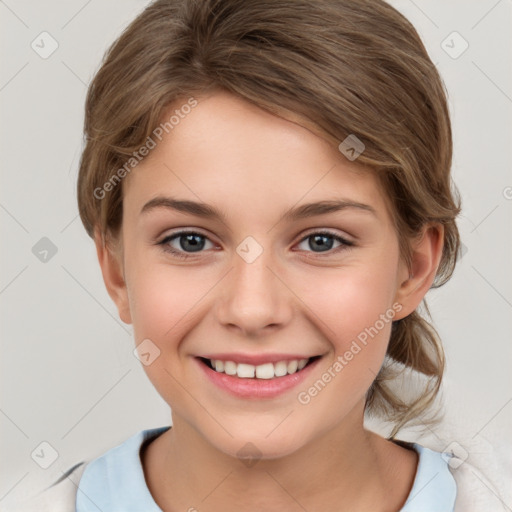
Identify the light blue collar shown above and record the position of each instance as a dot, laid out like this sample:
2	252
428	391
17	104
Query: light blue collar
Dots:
115	481
434	488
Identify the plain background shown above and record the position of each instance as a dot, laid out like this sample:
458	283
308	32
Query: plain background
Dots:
69	376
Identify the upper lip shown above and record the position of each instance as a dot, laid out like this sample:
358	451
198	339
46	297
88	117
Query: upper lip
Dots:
256	359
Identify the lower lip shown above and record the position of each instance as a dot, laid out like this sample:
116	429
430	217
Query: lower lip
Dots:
256	388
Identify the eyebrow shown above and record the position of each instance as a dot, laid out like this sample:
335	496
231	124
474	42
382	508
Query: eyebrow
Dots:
209	212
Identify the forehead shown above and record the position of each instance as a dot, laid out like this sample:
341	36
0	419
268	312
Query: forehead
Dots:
228	152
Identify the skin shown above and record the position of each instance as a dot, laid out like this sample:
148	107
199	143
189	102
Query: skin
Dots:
293	298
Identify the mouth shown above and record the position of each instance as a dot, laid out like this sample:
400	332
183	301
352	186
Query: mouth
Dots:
266	380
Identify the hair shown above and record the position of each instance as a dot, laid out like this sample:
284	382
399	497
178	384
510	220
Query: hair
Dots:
349	67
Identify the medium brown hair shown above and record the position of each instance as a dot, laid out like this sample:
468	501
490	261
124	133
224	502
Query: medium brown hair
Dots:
347	66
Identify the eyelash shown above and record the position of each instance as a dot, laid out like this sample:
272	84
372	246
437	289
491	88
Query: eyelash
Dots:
345	244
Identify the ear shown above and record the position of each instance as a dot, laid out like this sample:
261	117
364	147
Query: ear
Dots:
111	263
416	280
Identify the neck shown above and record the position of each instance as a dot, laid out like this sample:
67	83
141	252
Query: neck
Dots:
185	472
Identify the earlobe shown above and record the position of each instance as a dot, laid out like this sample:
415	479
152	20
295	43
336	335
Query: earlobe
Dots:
426	252
110	261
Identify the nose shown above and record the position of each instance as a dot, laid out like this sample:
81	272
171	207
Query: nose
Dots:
254	297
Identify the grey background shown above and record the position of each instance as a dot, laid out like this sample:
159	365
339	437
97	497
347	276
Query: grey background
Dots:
69	376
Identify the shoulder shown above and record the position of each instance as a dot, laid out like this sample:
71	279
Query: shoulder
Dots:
58	497
433	488
475	492
116	476
116	479
449	482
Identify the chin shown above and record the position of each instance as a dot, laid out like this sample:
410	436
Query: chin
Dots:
251	445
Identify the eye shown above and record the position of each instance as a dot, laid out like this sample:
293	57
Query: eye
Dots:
185	242
323	241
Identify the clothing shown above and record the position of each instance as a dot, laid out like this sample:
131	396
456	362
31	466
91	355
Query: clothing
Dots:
114	482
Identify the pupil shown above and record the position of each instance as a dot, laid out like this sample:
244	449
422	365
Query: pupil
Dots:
192	240
320	241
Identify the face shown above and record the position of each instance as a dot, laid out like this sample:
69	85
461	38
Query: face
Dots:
262	284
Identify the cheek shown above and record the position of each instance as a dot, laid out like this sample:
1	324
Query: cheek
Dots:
162	298
164	306
353	307
355	312
351	302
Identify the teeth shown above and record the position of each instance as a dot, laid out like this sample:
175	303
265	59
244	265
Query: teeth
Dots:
244	371
302	363
262	371
265	371
292	366
229	368
281	368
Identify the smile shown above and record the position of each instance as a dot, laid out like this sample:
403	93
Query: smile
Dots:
261	380
262	371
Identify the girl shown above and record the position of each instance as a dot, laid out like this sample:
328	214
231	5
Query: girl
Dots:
268	188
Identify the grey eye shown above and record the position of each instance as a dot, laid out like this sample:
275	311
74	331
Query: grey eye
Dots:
321	242
187	242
